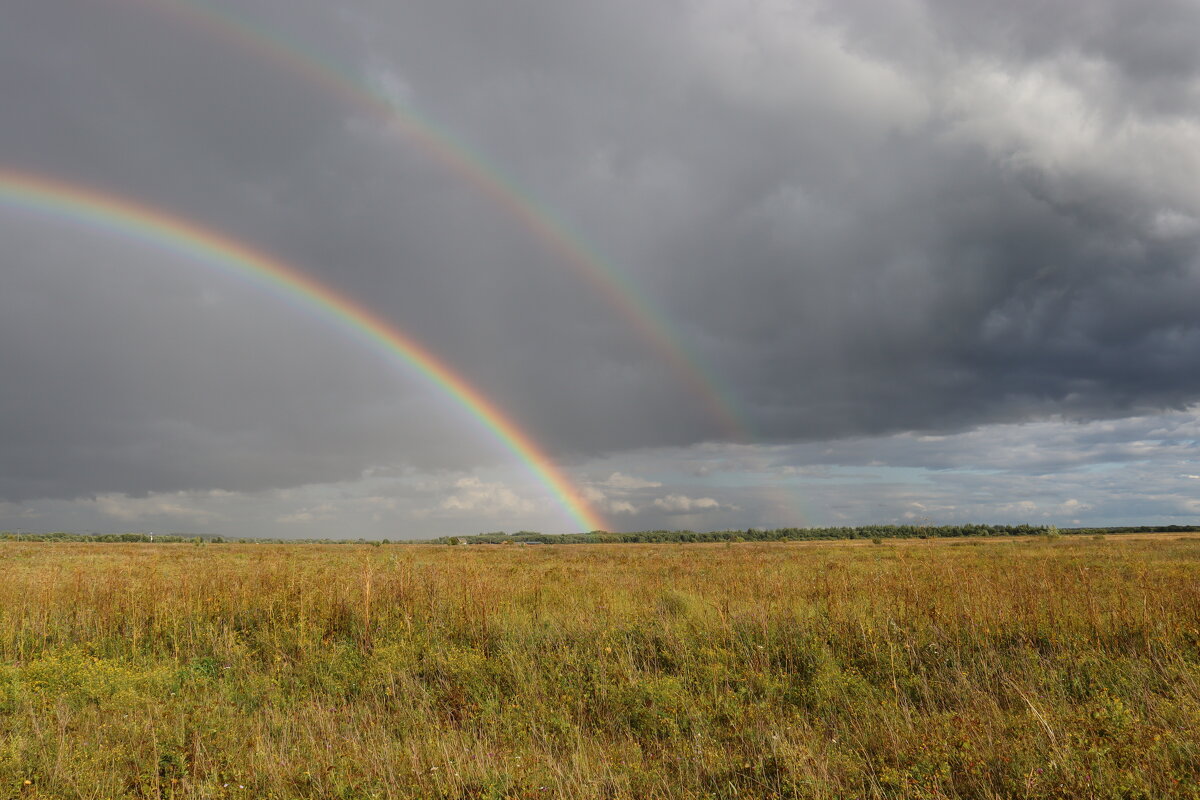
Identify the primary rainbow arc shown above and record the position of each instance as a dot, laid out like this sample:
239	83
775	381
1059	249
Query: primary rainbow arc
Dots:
651	325
131	220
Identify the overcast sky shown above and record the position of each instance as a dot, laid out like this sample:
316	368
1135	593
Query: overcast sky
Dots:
939	260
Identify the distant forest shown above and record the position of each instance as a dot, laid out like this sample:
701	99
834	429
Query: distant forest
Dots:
872	532
801	534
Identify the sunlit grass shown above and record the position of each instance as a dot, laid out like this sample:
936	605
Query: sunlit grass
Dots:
1011	668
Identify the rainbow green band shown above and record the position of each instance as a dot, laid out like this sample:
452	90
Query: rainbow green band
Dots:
130	220
650	325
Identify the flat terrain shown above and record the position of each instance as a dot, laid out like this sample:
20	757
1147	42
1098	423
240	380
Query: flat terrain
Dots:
1066	668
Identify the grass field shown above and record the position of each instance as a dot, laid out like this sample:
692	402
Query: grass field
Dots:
1065	668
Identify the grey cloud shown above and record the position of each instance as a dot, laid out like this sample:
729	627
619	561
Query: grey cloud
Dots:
863	219
1134	471
1139	470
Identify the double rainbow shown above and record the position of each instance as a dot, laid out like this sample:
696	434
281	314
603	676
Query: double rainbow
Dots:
129	220
439	144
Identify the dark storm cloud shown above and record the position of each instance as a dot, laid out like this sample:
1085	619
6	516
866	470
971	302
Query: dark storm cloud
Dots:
863	218
972	215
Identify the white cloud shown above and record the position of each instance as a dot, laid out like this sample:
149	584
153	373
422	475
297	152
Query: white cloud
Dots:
602	502
177	505
16	511
775	56
475	495
324	512
1064	117
619	480
386	80
680	504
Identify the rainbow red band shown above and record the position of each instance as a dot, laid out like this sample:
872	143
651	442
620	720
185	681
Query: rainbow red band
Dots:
604	280
129	220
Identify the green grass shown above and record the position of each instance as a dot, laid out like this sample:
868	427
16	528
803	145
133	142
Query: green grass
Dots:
968	668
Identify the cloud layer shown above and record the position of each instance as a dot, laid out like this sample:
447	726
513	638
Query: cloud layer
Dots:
866	224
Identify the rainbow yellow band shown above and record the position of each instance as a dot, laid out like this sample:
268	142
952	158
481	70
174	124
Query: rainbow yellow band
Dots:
606	282
130	220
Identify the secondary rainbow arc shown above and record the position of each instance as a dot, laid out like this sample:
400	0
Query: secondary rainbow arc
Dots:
649	324
128	219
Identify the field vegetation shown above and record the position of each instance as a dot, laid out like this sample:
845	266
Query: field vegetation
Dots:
631	537
1059	667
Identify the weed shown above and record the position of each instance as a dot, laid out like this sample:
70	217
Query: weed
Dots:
926	669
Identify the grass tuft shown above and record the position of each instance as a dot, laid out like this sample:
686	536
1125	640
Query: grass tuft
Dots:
1053	667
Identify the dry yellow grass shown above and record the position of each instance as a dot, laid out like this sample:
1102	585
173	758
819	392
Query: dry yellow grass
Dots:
966	668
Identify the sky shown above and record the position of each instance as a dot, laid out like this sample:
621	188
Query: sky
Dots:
724	264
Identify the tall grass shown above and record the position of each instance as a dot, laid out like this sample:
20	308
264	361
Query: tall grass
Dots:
990	669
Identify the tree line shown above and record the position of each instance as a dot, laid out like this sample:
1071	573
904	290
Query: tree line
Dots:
872	532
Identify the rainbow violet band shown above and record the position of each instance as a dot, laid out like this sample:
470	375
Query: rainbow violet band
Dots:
651	326
126	219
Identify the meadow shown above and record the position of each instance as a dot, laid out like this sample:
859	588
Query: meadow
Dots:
1047	667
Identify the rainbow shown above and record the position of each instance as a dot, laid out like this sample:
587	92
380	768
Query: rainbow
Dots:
129	220
650	325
